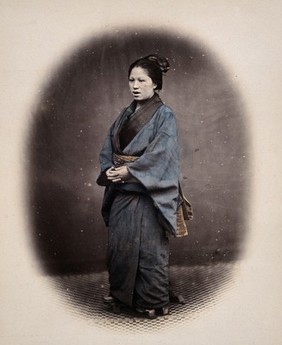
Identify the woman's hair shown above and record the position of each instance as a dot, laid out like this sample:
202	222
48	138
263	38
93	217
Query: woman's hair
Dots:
155	65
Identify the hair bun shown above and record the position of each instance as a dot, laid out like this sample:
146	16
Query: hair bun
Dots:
161	61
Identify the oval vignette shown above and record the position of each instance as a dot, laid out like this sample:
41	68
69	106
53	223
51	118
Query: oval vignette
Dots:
85	95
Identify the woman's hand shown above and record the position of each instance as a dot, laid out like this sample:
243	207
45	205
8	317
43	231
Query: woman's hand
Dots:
118	175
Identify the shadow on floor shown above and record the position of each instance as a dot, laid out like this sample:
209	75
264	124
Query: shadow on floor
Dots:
200	285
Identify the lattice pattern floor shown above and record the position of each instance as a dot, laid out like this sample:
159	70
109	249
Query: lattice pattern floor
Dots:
201	286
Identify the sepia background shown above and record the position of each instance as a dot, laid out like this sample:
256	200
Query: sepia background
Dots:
74	112
244	40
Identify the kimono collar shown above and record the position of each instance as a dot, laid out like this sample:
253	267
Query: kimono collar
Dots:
133	122
144	105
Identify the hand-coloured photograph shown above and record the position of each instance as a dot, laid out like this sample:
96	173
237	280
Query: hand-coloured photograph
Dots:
140	126
141	177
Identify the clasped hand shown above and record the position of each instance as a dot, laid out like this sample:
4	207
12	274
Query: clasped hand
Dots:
118	175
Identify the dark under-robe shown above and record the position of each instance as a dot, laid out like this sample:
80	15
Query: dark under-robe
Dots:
140	215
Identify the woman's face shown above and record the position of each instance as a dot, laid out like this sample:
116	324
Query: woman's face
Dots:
140	84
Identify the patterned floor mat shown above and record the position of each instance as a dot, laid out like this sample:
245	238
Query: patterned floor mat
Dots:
201	286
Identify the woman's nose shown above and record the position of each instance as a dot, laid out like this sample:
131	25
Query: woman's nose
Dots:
135	85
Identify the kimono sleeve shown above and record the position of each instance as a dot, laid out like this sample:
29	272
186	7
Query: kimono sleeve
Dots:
105	159
158	168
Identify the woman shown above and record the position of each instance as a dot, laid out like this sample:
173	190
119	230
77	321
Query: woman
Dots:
140	169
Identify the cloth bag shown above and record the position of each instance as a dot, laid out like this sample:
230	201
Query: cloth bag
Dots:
184	213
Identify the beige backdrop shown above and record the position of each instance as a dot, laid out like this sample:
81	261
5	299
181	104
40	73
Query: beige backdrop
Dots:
246	35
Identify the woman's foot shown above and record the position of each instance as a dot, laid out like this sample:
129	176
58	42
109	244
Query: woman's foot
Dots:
153	313
149	313
162	311
173	298
113	303
108	299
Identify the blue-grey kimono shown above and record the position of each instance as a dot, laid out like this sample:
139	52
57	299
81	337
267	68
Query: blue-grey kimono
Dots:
140	215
